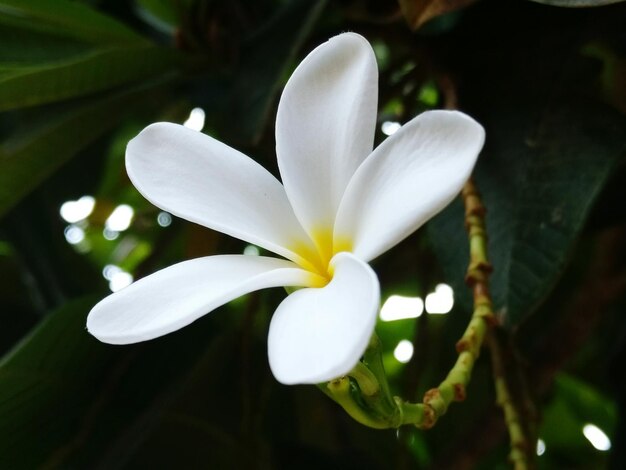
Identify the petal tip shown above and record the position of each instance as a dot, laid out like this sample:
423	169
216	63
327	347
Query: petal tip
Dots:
452	114
95	328
350	36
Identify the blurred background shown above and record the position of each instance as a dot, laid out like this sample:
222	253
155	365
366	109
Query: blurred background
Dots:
78	79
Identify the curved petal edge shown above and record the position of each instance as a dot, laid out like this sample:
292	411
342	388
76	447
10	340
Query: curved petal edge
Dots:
319	334
325	126
408	179
202	180
180	294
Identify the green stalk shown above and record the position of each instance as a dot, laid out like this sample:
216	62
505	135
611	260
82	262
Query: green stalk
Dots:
365	394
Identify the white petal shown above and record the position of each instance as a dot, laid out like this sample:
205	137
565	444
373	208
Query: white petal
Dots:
325	127
317	335
204	181
408	179
176	296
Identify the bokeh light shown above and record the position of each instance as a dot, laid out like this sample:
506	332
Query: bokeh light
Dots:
398	307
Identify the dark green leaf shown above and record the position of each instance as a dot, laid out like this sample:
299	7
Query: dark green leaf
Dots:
31	155
538	192
587	403
96	71
543	165
573	405
85	402
22	47
45	382
65	18
576	149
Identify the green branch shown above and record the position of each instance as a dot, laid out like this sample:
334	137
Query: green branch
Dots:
364	392
522	454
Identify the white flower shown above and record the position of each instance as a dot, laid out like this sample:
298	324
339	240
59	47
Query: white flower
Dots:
340	205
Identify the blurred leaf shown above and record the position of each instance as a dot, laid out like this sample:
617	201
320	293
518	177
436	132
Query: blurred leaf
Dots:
30	156
44	384
66	18
417	445
85	402
203	431
577	3
587	403
19	47
418	12
574	404
266	58
16	315
153	380
96	71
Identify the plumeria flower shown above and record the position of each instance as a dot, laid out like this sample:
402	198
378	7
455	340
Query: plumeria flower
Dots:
340	205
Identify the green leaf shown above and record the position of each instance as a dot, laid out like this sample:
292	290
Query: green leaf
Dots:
587	403
29	156
540	173
266	58
20	47
567	168
573	405
65	18
84	402
89	73
45	382
538	194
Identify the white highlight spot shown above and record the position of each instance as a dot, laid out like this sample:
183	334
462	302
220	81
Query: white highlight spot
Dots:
440	301
75	211
597	437
195	120
119	280
164	219
390	127
397	307
120	218
404	351
110	234
541	447
251	250
110	270
74	234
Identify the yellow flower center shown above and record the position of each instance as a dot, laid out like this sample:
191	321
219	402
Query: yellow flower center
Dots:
317	260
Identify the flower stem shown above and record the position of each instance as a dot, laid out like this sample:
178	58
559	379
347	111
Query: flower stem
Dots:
522	448
346	393
364	392
522	452
436	400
